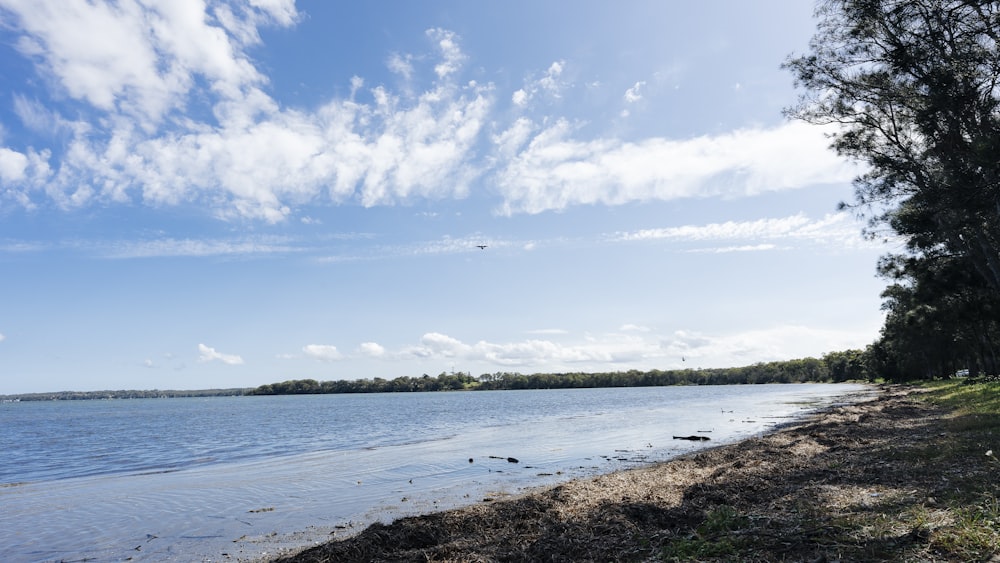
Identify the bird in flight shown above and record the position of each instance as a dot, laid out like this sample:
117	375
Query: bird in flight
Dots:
481	246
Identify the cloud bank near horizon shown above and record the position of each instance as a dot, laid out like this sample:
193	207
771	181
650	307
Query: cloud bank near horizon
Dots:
631	347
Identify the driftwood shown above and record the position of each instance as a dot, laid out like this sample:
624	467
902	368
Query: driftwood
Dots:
692	438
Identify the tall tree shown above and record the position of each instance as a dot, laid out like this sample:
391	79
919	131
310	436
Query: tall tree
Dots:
913	87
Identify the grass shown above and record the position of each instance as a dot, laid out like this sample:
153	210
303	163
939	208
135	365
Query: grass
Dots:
965	522
951	513
718	536
977	408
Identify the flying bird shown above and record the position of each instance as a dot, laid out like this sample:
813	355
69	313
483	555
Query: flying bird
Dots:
481	246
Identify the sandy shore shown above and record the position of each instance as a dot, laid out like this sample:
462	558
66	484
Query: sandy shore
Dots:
859	482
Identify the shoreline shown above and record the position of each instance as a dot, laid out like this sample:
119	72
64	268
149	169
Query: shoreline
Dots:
790	494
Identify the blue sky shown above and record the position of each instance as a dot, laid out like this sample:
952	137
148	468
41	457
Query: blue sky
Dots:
199	194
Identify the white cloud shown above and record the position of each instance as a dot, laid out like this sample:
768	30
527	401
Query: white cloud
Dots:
258	169
13	166
775	343
2	337
761	228
192	247
255	159
371	349
833	230
637	347
529	352
512	140
729	249
22	174
554	171
208	354
549	83
142	59
630	347
283	11
40	119
519	97
451	54
322	352
401	65
633	94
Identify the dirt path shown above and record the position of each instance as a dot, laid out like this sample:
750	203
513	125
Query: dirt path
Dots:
872	481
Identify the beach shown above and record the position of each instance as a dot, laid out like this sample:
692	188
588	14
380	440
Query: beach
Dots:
888	478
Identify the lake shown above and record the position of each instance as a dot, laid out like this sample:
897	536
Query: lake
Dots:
239	478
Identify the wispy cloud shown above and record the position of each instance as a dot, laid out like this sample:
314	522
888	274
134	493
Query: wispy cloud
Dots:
169	247
442	246
634	94
550	84
832	231
322	352
761	228
728	249
209	354
835	230
21	246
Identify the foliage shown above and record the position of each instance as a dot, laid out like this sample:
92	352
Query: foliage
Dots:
443	382
912	85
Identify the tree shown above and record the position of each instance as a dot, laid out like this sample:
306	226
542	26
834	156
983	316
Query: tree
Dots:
913	87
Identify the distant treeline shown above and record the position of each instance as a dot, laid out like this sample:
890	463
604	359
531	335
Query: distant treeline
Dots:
130	394
850	365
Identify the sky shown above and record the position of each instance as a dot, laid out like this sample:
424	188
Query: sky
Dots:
221	193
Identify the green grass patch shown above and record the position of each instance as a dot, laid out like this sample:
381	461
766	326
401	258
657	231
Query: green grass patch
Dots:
972	438
975	533
966	399
712	538
685	549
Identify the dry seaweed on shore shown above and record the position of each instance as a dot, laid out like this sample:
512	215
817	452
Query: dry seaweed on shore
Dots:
890	479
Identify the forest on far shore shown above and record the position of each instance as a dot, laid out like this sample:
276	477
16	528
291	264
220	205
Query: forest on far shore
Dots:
835	367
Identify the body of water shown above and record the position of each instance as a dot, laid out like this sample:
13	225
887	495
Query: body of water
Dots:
238	478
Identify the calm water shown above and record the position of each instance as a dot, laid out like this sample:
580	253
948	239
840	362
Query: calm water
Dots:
238	478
